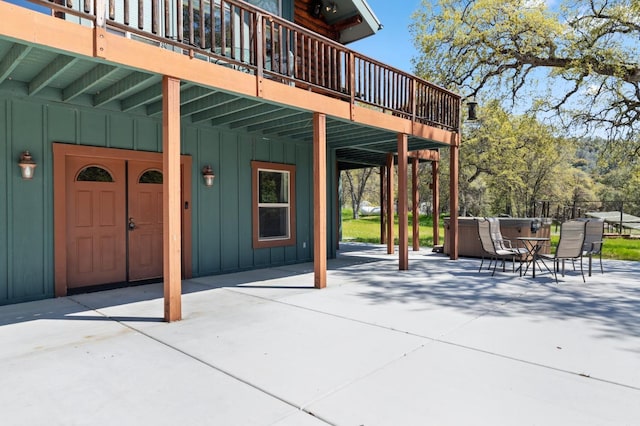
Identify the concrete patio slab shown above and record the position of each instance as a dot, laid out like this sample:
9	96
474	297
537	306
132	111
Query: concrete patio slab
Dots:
443	384
438	344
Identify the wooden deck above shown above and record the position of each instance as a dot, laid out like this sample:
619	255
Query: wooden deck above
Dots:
240	68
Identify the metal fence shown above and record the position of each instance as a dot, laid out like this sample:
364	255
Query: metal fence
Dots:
620	216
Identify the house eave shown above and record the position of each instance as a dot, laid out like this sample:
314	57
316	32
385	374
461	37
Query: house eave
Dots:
347	10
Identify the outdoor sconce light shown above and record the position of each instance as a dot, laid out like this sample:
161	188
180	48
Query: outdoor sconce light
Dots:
472	107
208	176
331	7
27	165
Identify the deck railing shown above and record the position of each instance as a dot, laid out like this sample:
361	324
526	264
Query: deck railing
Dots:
236	34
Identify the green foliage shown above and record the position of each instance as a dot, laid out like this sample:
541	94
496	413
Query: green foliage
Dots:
508	162
579	61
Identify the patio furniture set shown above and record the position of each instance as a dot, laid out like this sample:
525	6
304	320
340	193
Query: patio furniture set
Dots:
578	239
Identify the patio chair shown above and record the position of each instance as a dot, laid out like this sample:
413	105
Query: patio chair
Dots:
493	248
593	241
570	246
501	242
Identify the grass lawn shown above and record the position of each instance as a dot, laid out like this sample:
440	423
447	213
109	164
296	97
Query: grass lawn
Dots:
367	230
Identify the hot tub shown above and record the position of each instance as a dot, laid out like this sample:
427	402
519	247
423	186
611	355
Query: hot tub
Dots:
511	228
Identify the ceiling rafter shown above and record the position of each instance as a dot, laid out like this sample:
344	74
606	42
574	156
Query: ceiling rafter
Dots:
297	132
362	141
275	114
12	59
188	93
278	123
89	80
122	87
354	132
224	109
150	94
49	73
256	109
292	125
205	103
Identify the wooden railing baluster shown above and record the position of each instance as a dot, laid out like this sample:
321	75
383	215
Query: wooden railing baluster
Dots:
140	15
272	46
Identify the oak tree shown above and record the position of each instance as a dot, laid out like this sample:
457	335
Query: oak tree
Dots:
578	61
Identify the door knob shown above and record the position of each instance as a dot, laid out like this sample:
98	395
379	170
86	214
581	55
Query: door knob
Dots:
132	224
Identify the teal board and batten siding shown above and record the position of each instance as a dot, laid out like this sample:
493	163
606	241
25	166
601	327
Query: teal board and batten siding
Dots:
222	233
26	222
221	215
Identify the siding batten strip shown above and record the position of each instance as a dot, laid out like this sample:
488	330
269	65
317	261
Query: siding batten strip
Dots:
171	198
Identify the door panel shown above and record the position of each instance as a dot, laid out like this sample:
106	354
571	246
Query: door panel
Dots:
145	220
96	245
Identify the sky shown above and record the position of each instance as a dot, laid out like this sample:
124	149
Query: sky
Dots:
392	45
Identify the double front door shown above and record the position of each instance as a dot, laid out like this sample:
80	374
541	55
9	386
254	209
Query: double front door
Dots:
114	220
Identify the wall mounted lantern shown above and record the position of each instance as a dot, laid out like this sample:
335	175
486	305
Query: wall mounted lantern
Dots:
472	107
208	176
27	165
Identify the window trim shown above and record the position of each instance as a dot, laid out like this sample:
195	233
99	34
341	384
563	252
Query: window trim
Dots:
256	167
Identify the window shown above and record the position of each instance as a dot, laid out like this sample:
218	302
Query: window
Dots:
273	194
151	176
94	174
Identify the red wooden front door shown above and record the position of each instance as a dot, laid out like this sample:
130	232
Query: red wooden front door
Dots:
114	221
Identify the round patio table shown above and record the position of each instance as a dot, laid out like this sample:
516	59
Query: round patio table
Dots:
533	246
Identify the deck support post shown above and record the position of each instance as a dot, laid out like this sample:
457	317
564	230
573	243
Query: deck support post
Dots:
453	196
390	209
383	205
319	200
403	201
435	201
172	233
415	200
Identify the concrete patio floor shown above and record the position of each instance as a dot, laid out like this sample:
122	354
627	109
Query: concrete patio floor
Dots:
440	344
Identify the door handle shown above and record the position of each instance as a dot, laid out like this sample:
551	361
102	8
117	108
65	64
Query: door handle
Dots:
131	224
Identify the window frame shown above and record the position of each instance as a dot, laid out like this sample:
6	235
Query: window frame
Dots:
256	167
279	13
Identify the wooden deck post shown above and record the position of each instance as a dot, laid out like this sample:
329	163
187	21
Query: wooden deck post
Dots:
435	201
403	200
171	232
389	184
453	197
415	200
383	205
319	200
